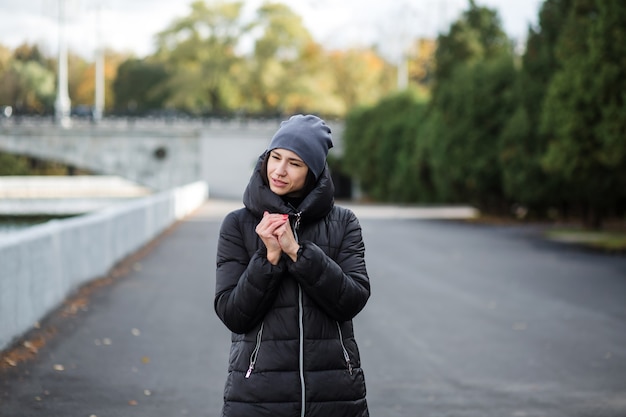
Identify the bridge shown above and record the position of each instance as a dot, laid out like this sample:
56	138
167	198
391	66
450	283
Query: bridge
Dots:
157	153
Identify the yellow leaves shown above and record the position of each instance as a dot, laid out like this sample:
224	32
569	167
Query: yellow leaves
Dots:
30	346
27	349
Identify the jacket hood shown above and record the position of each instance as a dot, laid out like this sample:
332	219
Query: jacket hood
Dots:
258	197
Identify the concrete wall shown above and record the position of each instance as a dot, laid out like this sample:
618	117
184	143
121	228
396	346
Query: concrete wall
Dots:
42	265
229	158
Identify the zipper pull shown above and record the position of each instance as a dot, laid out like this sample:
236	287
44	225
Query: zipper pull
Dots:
349	366
255	352
296	224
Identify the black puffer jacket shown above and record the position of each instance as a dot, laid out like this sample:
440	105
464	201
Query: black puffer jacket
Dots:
292	341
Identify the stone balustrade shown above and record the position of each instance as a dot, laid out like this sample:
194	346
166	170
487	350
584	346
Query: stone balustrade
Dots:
43	264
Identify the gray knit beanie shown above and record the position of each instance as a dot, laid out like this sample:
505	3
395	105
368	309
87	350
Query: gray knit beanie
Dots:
308	136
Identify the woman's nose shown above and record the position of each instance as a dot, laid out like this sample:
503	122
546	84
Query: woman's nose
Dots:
281	169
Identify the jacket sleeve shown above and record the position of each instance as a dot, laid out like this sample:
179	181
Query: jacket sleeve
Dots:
340	287
245	285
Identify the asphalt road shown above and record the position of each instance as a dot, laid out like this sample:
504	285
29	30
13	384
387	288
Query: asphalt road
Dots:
464	321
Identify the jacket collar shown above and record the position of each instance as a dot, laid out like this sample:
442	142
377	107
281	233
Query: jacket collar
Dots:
258	197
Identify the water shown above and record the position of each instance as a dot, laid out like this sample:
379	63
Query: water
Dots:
10	224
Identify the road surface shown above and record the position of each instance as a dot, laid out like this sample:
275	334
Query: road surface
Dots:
464	321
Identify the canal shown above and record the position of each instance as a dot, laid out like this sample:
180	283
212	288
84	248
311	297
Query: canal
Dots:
10	224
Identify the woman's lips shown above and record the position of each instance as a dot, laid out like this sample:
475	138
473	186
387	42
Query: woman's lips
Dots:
278	183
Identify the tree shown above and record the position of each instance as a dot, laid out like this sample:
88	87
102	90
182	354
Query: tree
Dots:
199	51
137	86
5	58
13	165
283	58
361	77
476	36
26	80
26	52
5	62
472	109
28	86
585	108
380	144
522	146
472	100
81	81
422	63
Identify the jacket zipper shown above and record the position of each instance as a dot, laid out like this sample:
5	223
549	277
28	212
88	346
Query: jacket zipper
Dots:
255	352
345	351
301	356
296	226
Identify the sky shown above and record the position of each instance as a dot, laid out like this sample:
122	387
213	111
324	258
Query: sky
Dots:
130	25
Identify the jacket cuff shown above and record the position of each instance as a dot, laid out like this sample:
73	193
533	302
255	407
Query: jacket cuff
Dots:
278	268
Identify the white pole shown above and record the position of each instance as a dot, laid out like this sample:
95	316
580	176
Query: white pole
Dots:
99	98
62	105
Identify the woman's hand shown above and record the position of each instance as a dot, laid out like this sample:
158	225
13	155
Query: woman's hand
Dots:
287	241
267	231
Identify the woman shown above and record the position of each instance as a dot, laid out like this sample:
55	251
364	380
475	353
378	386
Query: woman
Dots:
291	276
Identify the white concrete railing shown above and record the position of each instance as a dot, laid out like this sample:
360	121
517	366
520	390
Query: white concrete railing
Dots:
42	265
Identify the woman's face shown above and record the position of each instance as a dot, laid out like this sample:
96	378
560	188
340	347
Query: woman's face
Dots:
286	172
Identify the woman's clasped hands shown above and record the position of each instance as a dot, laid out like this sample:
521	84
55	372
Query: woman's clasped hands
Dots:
275	232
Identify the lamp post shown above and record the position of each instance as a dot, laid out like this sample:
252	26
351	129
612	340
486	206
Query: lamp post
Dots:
62	104
98	111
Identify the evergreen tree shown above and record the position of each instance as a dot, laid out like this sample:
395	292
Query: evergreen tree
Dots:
522	146
471	103
585	108
380	145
